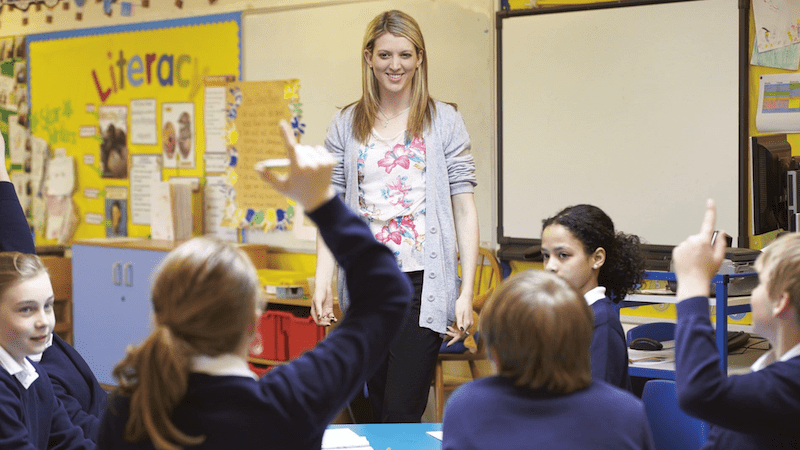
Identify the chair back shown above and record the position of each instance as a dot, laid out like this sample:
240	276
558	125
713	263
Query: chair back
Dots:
672	428
487	277
660	331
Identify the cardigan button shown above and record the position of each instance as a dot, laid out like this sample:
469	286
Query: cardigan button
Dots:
431	297
432	275
434	255
430	319
433	230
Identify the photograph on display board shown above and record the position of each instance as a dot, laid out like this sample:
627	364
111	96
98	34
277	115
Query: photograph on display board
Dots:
116	217
116	214
178	135
114	148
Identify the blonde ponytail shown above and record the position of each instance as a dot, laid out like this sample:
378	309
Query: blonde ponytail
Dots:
155	375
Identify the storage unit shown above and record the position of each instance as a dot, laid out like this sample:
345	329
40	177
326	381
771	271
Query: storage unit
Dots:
282	336
111	281
111	291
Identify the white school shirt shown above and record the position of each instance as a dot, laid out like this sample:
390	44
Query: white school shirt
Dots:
595	294
769	358
222	365
25	373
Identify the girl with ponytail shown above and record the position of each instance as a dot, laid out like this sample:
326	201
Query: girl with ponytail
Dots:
188	384
580	245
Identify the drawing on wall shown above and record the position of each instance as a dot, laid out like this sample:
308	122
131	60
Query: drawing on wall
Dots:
777	23
177	134
114	147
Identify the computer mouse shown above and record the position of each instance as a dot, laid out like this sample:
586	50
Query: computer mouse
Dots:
645	343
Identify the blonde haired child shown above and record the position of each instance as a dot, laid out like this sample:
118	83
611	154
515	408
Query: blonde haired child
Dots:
31	416
760	409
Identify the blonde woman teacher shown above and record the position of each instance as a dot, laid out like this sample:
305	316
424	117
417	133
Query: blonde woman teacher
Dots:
405	167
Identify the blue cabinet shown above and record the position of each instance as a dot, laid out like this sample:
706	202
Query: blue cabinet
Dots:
111	302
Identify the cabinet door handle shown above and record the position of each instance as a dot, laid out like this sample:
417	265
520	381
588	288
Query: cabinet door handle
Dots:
116	273
127	274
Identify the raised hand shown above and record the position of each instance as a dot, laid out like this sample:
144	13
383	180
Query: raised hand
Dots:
309	177
696	260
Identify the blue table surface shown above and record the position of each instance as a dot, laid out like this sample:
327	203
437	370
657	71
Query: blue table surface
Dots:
398	436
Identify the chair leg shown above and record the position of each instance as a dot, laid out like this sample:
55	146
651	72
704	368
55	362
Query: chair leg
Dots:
473	367
438	391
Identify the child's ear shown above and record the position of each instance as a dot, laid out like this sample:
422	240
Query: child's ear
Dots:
598	258
782	306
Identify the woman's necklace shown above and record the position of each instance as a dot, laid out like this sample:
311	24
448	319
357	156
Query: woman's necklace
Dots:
387	119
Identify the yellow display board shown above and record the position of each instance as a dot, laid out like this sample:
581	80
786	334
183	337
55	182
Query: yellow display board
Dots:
107	96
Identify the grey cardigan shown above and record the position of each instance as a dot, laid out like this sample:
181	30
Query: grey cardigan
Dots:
450	170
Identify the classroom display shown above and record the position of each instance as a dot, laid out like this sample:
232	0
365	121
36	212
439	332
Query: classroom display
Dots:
614	105
119	95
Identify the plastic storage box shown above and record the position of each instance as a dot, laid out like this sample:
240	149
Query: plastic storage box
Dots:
282	336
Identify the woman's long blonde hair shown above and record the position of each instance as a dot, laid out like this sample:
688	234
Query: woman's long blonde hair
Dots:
366	109
204	299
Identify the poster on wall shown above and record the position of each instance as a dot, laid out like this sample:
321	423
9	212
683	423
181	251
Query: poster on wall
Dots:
141	89
143	122
254	110
178	135
114	146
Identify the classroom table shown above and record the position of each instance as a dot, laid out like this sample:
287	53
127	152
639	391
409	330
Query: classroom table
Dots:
398	436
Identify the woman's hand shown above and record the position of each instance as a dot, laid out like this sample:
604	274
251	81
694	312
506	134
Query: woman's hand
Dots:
322	305
460	330
309	177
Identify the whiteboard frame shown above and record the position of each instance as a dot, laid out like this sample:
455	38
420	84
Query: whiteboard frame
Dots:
526	247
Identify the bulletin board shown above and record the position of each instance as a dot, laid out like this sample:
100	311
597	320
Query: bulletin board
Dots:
631	106
122	100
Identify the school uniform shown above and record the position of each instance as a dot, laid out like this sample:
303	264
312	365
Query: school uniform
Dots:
73	382
75	385
290	406
493	413
758	410
609	351
14	232
31	417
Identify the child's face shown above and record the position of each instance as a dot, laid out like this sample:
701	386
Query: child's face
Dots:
26	317
564	255
764	320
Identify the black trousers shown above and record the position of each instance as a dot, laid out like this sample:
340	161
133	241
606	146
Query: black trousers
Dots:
398	391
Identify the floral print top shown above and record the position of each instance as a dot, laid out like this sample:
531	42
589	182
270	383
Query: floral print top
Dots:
391	195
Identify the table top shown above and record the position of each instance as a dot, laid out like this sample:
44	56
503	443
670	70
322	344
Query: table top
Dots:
398	436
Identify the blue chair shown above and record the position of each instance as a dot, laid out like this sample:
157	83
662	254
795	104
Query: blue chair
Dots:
672	428
660	331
